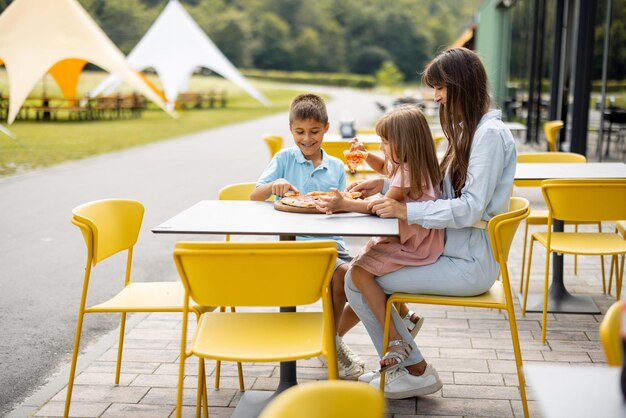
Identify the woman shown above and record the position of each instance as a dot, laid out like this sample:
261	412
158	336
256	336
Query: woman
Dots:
478	169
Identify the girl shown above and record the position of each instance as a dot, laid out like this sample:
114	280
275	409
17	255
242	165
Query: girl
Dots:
413	170
478	169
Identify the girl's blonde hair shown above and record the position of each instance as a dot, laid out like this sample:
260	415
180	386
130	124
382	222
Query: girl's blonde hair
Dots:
412	144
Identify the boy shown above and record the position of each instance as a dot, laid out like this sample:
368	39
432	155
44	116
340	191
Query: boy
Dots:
307	168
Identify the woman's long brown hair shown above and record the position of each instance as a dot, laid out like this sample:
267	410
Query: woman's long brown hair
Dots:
411	142
463	74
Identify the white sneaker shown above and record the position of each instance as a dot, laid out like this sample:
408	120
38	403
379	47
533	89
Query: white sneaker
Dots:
369	376
400	384
344	350
347	368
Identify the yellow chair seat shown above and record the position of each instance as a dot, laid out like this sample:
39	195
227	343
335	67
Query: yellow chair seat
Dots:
493	298
583	243
243	336
148	297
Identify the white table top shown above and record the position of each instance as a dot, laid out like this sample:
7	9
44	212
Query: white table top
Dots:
239	217
542	171
576	391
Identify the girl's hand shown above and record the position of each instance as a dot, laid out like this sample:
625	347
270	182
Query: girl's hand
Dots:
282	186
367	187
388	208
330	204
356	145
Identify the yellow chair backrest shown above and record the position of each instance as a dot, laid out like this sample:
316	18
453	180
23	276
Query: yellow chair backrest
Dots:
502	228
610	335
236	191
551	129
366	131
108	226
336	149
327	399
546	157
259	273
274	143
579	200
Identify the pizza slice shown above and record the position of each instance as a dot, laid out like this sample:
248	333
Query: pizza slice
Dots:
308	200
354	158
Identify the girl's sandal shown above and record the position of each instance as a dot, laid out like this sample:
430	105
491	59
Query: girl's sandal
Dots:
413	327
398	355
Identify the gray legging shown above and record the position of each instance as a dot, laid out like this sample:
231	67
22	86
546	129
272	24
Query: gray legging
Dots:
447	276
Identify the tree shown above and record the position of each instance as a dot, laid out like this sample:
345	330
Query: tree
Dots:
306	53
232	35
389	75
272	48
370	59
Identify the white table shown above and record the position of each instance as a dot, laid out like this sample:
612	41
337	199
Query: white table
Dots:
232	217
577	391
559	299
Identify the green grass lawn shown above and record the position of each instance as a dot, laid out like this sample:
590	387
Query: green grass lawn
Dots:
41	144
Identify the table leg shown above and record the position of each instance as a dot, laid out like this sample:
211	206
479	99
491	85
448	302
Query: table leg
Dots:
252	402
559	299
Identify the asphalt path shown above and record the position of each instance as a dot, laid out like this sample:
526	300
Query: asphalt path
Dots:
43	255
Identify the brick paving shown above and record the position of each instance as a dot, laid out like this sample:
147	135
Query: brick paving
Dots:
470	348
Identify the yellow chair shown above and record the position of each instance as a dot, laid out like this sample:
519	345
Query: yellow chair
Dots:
260	274
109	227
438	139
327	399
610	336
502	229
540	216
620	229
551	129
577	200
274	143
367	131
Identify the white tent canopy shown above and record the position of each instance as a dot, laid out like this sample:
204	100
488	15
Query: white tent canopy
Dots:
174	47
37	36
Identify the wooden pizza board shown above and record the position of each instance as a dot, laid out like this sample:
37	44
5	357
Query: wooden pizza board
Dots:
279	205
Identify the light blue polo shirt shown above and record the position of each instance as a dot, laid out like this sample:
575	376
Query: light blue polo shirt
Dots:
290	164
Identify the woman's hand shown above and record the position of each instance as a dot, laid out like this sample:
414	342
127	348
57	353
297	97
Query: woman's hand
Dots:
282	186
330	204
367	187
388	208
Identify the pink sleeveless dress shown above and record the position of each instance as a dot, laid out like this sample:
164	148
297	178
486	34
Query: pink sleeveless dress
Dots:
416	245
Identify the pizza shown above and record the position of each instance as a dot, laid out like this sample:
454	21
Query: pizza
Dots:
354	158
308	200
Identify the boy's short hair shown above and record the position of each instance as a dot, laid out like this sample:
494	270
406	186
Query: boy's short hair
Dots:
308	106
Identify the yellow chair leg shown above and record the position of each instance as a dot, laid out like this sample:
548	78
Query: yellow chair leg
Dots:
544	316
521	279
575	255
70	383
120	346
199	393
603	277
240	373
530	259
619	276
518	356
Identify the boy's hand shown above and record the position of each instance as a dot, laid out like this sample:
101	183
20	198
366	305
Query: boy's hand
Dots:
367	187
356	145
330	204
282	186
